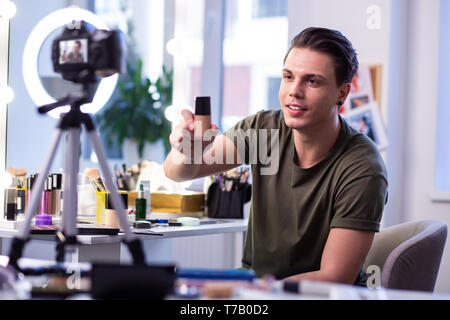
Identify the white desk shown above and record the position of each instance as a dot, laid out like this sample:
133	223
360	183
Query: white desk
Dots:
217	245
316	290
334	291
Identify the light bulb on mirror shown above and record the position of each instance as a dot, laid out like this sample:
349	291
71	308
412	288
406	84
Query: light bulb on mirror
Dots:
6	95
171	47
8	9
6	180
170	113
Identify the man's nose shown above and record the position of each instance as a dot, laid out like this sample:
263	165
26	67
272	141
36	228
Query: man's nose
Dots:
297	90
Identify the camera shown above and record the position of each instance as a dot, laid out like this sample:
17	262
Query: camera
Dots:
82	52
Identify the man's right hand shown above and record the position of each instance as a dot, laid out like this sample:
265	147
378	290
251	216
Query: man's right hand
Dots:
183	164
182	136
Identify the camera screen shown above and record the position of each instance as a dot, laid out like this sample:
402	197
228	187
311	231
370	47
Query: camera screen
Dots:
73	51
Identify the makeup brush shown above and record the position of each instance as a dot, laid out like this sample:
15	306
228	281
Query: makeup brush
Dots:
86	179
12	170
21	175
94	176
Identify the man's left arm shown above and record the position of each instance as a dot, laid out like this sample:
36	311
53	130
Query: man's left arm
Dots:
342	258
358	205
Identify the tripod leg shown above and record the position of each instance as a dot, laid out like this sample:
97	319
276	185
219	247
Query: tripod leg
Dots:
19	242
133	243
69	215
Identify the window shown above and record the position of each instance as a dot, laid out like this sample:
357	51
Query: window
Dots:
252	57
185	46
272	93
442	161
114	13
269	8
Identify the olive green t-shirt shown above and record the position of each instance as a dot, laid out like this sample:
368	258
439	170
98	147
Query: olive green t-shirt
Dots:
293	209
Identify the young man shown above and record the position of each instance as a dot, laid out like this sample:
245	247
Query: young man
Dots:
76	56
315	217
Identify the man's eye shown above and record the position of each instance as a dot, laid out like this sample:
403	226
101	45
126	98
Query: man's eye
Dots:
313	82
287	76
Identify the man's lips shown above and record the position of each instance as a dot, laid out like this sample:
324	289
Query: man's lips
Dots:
296	107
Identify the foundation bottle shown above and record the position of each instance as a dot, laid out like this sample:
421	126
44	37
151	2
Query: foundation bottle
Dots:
202	116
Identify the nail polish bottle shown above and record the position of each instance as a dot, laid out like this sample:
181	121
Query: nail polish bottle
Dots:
202	116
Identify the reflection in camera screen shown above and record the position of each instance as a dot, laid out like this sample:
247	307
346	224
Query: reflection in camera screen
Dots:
73	51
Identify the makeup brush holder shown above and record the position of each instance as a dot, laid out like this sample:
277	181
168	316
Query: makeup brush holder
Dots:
227	204
105	213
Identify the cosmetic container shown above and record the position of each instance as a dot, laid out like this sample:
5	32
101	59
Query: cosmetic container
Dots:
141	204
43	220
111	216
57	193
11	204
202	116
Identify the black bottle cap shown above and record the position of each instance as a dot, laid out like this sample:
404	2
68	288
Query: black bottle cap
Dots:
57	181
49	183
203	106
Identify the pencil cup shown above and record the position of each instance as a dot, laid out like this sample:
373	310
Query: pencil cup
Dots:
100	207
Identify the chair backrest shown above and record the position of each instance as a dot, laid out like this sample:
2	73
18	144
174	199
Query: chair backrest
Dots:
409	254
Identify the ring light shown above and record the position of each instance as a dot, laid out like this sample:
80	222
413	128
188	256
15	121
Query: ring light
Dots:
33	45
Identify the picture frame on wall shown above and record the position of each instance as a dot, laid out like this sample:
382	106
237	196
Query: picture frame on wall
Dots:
367	120
361	92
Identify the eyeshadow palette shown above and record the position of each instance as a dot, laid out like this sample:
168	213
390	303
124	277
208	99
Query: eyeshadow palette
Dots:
83	229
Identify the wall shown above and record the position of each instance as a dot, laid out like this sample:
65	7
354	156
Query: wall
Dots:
350	17
148	17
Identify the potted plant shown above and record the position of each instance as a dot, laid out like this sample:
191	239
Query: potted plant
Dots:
137	110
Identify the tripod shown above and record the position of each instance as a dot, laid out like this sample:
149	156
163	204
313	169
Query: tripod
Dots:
71	123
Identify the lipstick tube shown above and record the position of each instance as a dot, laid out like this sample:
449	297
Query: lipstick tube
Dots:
49	196
57	190
30	183
44	198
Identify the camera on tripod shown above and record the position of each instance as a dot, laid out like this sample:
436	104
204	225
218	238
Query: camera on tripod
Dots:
82	53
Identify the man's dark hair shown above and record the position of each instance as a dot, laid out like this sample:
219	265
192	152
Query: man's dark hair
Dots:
78	42
330	42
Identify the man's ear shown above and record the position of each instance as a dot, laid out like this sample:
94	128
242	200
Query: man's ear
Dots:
344	90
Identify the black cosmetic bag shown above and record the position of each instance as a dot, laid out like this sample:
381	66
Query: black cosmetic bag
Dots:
225	204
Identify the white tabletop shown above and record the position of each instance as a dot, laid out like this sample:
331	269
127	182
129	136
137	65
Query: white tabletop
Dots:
219	226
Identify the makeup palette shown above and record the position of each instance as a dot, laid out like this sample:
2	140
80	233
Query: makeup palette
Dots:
82	228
